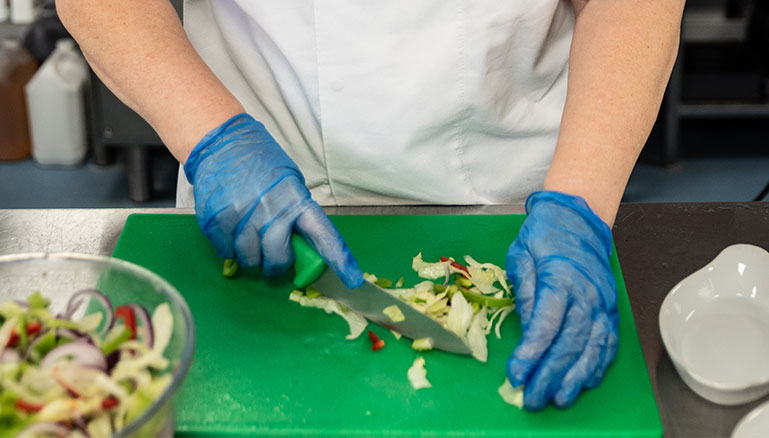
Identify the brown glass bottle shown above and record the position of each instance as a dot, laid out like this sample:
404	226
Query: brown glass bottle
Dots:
16	69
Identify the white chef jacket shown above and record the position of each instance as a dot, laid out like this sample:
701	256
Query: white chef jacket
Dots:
398	101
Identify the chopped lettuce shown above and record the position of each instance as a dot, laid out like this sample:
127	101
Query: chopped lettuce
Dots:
510	395
89	322
394	313
417	374
499	274
430	271
460	315
422	344
476	336
355	320
163	323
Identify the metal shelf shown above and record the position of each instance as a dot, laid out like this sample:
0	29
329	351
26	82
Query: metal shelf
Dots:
8	29
706	110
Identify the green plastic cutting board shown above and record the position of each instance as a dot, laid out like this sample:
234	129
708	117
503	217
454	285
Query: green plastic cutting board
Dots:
266	366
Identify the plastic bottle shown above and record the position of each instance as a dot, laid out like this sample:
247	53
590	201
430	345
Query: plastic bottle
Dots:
16	69
4	12
56	100
24	11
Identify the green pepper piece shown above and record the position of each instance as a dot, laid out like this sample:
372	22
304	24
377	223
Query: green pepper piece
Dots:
46	343
63	323
462	281
485	300
312	292
383	282
113	345
437	287
21	330
230	267
62	341
37	301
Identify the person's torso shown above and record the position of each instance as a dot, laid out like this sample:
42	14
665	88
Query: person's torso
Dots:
396	102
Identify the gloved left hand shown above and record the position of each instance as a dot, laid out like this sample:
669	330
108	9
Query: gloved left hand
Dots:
566	297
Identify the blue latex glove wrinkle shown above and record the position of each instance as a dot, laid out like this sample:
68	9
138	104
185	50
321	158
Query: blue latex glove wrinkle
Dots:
566	296
250	196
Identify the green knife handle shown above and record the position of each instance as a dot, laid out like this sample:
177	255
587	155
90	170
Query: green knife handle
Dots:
308	265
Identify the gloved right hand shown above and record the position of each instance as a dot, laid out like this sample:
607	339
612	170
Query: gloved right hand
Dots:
250	197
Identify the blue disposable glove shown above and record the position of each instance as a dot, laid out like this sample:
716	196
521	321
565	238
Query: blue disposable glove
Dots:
566	296
250	197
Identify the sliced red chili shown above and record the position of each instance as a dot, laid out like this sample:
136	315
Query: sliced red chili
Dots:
109	402
28	406
32	328
129	318
456	265
378	345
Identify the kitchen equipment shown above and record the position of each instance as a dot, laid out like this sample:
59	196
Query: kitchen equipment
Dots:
4	11
56	102
24	11
370	300
59	276
266	366
16	68
715	326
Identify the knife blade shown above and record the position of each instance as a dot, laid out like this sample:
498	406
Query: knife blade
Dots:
370	300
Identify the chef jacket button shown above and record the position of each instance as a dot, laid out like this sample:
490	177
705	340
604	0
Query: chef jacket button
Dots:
337	85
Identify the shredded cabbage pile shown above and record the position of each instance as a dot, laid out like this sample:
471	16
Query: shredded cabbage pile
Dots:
470	300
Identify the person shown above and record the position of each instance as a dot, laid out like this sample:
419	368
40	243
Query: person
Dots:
405	102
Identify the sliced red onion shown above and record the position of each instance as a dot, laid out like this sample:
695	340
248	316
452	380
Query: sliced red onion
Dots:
448	275
22	303
81	425
146	323
81	352
76	300
44	429
67	333
112	360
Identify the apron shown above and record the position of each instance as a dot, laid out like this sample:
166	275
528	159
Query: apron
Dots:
397	102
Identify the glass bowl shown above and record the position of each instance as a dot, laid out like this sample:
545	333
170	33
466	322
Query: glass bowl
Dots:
59	276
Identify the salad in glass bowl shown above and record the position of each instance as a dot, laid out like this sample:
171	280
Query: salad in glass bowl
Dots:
91	347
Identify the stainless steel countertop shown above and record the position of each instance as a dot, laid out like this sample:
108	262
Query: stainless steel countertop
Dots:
96	231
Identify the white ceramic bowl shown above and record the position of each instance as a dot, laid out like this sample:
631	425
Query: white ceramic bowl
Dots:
715	326
755	424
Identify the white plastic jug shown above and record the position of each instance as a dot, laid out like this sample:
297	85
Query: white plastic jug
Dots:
4	11
56	103
24	11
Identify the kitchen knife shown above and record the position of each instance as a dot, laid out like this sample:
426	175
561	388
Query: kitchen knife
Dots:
369	300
